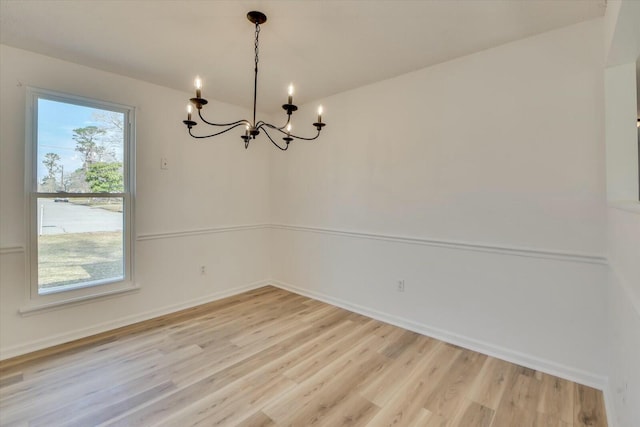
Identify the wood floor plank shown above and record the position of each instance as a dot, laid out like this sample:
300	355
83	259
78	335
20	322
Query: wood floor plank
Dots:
268	358
509	415
13	378
523	392
70	387
588	407
520	401
491	383
382	387
229	405
354	410
116	408
473	414
308	403
450	392
434	420
258	419
556	398
137	389
421	419
318	361
545	420
397	346
407	401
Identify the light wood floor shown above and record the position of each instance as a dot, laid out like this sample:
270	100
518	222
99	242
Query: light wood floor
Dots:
272	358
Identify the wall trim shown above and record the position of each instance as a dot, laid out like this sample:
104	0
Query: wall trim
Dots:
11	250
199	232
21	349
539	364
454	244
449	244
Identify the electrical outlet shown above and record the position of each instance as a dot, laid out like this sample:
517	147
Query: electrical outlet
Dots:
203	270
400	286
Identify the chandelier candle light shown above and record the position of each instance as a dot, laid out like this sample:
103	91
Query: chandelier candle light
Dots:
251	128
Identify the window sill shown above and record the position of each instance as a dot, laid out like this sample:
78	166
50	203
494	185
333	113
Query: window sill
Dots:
626	205
36	308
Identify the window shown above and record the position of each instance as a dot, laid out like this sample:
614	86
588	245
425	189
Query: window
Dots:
80	168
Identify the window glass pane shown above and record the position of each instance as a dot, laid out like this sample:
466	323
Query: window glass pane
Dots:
80	242
79	149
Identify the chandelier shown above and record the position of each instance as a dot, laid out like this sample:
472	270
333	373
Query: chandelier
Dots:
251	128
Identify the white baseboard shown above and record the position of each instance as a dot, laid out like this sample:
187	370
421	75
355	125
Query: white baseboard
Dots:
40	344
513	356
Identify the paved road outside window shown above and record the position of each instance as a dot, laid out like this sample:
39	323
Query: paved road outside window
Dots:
67	217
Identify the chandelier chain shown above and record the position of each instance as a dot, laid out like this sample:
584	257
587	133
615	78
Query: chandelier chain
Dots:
257	49
255	79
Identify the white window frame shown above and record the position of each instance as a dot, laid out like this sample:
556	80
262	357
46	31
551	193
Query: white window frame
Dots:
89	290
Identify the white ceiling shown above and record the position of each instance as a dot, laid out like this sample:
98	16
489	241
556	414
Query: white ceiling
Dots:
324	47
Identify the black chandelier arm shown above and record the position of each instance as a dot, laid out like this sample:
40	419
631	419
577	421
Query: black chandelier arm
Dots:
288	121
245	122
262	123
270	126
275	143
217	133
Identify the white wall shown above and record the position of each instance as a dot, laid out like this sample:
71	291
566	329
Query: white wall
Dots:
621	133
623	368
480	182
623	222
209	186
